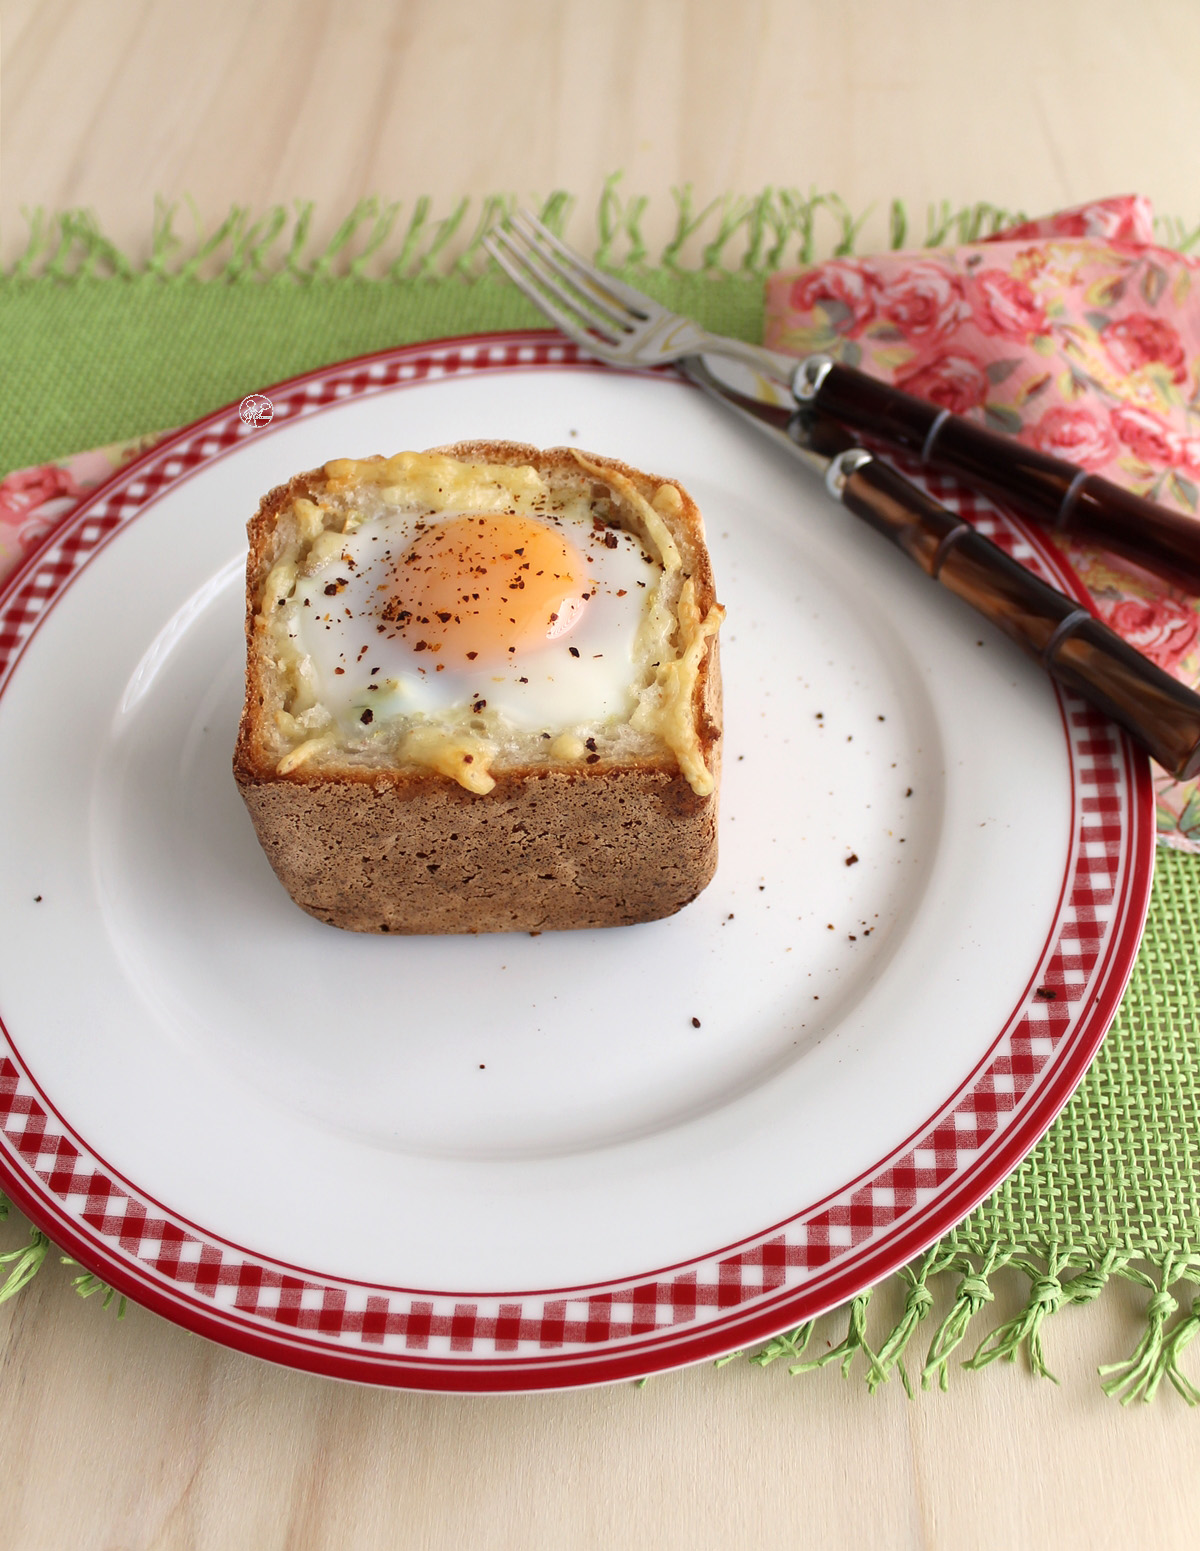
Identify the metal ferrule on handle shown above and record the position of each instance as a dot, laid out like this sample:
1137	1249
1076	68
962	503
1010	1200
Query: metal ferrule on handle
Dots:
1053	492
1071	644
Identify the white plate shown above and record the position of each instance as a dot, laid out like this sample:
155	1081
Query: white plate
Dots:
512	1162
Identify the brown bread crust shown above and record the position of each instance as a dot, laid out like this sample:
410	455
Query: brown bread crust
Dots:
410	851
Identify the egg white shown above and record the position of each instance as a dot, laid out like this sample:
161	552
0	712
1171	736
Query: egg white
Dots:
366	678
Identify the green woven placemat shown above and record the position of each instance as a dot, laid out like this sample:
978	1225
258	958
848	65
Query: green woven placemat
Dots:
95	349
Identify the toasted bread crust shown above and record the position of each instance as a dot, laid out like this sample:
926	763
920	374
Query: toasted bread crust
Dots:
407	850
543	851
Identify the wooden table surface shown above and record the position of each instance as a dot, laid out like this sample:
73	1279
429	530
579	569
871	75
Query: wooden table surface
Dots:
138	1435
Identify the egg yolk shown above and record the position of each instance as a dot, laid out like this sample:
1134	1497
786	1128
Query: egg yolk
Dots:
484	590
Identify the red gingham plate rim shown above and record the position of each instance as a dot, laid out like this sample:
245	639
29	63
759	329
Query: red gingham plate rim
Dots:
672	1346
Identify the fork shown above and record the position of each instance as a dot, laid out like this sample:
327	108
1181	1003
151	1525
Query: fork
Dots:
626	328
620	325
612	320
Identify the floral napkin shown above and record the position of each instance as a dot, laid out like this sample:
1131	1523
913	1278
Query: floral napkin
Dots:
34	501
1077	334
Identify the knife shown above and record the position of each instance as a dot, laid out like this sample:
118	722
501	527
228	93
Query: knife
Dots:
1074	647
1053	492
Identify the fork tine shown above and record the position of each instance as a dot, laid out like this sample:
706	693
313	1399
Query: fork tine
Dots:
624	295
570	323
551	276
544	278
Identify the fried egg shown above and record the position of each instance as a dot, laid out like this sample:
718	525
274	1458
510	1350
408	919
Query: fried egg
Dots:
532	618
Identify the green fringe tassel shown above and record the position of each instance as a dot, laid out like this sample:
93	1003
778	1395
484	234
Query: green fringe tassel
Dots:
790	1344
1156	1358
917	1304
25	1263
854	1344
88	1284
1047	1294
749	235
973	1292
1180	1337
737	234
1157	1354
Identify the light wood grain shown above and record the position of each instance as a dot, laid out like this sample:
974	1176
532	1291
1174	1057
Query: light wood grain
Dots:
1031	105
137	1435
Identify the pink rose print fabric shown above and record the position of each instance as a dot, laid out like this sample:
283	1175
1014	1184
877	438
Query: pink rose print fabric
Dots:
34	501
1077	334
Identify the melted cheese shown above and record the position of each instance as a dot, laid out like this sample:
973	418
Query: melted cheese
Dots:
464	759
668	711
441	483
672	638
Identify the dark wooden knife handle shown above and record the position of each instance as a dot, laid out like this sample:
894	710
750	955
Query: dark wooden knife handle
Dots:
1048	489
1076	648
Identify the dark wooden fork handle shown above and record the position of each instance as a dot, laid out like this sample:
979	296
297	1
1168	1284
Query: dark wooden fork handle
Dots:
1048	489
1074	647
